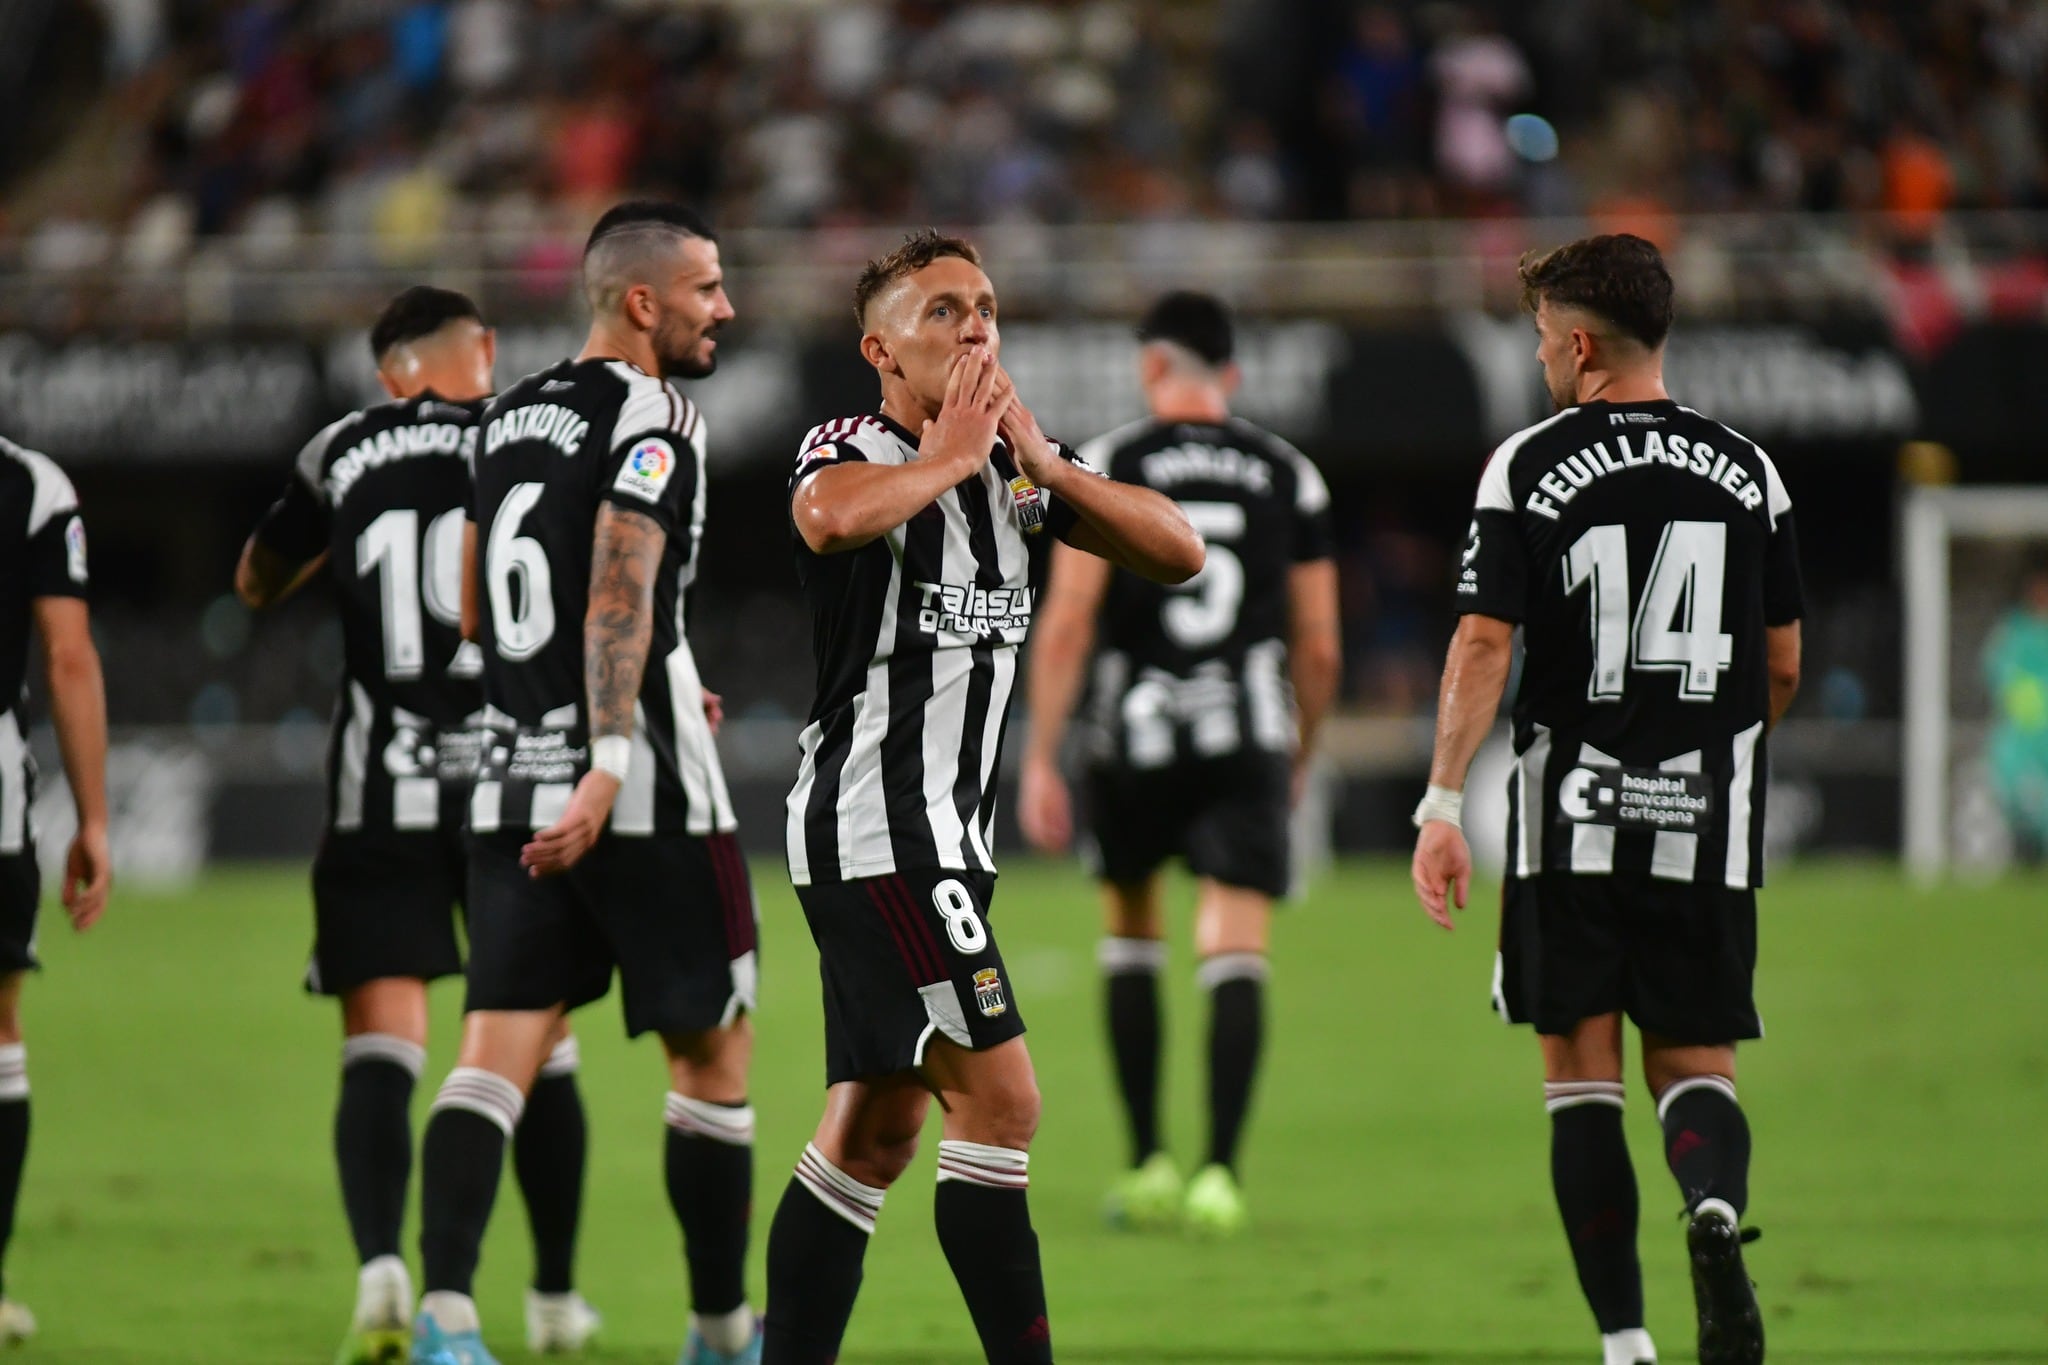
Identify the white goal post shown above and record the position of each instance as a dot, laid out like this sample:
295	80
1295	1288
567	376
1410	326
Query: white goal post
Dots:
1933	520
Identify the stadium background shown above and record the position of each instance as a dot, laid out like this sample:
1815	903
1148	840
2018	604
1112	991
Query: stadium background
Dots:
205	202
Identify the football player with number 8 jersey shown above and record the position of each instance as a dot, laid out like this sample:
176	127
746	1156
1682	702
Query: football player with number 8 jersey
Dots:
1648	554
374	505
602	834
919	535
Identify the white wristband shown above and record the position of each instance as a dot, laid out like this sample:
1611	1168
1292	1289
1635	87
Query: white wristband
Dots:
1441	803
612	754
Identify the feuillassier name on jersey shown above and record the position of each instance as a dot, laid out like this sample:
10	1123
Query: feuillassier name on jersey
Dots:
395	443
1193	462
959	609
1596	461
563	428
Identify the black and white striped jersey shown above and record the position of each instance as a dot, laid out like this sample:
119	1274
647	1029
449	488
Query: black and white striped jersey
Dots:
381	493
1199	671
915	636
42	554
1644	549
555	447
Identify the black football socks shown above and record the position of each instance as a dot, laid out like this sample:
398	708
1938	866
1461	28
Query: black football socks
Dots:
461	1157
984	1220
373	1137
1596	1194
549	1150
13	1135
709	1163
1706	1141
1130	968
815	1248
1236	983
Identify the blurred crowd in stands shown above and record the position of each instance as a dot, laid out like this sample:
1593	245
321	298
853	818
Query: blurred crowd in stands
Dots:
242	127
395	121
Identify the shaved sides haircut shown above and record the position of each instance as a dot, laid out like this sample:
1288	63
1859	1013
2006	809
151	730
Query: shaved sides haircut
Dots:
627	243
919	250
417	313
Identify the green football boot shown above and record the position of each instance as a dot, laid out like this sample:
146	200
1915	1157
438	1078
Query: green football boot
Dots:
378	1347
1214	1206
1145	1199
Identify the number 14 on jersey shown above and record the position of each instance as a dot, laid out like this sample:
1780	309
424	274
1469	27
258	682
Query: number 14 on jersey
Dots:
1676	628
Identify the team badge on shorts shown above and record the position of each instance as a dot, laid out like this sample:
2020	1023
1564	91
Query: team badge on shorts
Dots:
988	993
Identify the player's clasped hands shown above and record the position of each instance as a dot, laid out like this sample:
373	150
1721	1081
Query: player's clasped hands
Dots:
1021	431
976	397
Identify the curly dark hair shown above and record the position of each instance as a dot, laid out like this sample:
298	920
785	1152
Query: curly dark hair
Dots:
919	250
1617	277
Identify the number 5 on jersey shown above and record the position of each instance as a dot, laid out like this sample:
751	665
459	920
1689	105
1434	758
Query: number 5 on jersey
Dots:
1203	610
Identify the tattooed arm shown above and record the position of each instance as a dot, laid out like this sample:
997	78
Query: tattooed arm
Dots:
618	629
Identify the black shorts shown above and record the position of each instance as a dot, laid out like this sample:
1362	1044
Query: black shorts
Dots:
1226	818
906	957
384	904
673	914
21	889
1678	959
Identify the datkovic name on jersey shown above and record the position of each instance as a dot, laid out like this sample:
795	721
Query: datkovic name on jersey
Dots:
1574	472
563	428
395	443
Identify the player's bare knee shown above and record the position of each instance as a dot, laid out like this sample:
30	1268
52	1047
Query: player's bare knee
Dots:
10	1008
1591	1052
877	1155
508	1043
394	1006
1131	910
1232	920
1668	1064
1002	1115
711	1064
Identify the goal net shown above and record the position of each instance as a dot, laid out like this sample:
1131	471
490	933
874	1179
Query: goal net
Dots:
1974	772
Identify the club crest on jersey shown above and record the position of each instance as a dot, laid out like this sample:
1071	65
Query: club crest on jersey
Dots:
1030	505
988	993
647	469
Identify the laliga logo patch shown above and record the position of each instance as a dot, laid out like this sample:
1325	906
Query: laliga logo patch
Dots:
988	993
646	470
651	459
74	549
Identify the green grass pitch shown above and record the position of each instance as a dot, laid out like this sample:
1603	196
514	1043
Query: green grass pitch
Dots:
181	1204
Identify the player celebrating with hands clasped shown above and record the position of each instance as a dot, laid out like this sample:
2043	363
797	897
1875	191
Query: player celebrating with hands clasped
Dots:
921	533
1648	554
